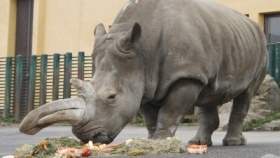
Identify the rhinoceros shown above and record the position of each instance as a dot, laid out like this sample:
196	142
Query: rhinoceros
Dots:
163	57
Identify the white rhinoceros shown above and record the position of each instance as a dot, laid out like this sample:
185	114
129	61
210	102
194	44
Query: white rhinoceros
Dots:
163	57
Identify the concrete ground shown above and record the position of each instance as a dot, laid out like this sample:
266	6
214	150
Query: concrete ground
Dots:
259	144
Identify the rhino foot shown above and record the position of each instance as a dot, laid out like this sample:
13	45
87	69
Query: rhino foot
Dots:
162	135
200	141
234	141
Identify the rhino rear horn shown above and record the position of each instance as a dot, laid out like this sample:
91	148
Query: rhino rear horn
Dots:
84	89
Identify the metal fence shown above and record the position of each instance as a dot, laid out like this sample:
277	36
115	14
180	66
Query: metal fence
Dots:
274	61
28	82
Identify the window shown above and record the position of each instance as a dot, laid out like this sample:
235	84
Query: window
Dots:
272	28
24	23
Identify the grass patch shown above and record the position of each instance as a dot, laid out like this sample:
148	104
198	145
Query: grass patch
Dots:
259	124
7	122
138	121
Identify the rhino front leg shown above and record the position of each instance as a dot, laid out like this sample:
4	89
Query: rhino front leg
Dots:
150	114
208	123
181	96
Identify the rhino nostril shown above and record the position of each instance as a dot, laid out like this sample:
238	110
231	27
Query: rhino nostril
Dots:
104	133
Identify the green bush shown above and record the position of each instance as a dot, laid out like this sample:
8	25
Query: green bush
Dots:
259	124
7	122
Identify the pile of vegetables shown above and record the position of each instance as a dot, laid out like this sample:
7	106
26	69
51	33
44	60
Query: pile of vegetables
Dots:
70	148
47	148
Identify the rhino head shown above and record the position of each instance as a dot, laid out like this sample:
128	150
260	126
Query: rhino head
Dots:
106	103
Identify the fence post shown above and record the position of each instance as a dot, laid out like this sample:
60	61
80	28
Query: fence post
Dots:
92	67
271	51
56	65
67	75
81	65
18	87
43	79
277	63
31	82
8	78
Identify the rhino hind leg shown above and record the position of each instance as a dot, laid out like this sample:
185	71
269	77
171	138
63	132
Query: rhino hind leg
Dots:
208	123
239	111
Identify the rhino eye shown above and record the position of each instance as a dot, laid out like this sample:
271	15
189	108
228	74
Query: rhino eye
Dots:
111	97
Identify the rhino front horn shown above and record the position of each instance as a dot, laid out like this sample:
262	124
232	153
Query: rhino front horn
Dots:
69	110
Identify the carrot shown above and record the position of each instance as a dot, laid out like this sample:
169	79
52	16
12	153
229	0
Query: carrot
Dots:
111	146
71	150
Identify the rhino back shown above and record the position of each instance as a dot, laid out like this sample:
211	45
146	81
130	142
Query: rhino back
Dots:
197	39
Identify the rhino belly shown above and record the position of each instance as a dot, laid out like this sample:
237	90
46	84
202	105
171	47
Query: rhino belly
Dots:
218	93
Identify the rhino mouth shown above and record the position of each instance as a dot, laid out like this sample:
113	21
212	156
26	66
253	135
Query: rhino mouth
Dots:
99	135
102	137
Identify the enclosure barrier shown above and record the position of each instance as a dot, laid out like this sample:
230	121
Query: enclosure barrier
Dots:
28	82
274	61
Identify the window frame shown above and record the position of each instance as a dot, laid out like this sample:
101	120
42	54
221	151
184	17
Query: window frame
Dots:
266	18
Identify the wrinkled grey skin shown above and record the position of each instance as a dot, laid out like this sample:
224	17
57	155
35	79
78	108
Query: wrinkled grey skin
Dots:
164	57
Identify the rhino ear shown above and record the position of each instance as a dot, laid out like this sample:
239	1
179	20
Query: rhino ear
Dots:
131	37
99	30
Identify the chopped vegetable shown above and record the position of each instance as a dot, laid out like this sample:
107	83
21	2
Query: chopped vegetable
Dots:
85	152
197	149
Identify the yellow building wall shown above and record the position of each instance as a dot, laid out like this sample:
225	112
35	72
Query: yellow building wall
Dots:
61	26
68	25
256	9
7	27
